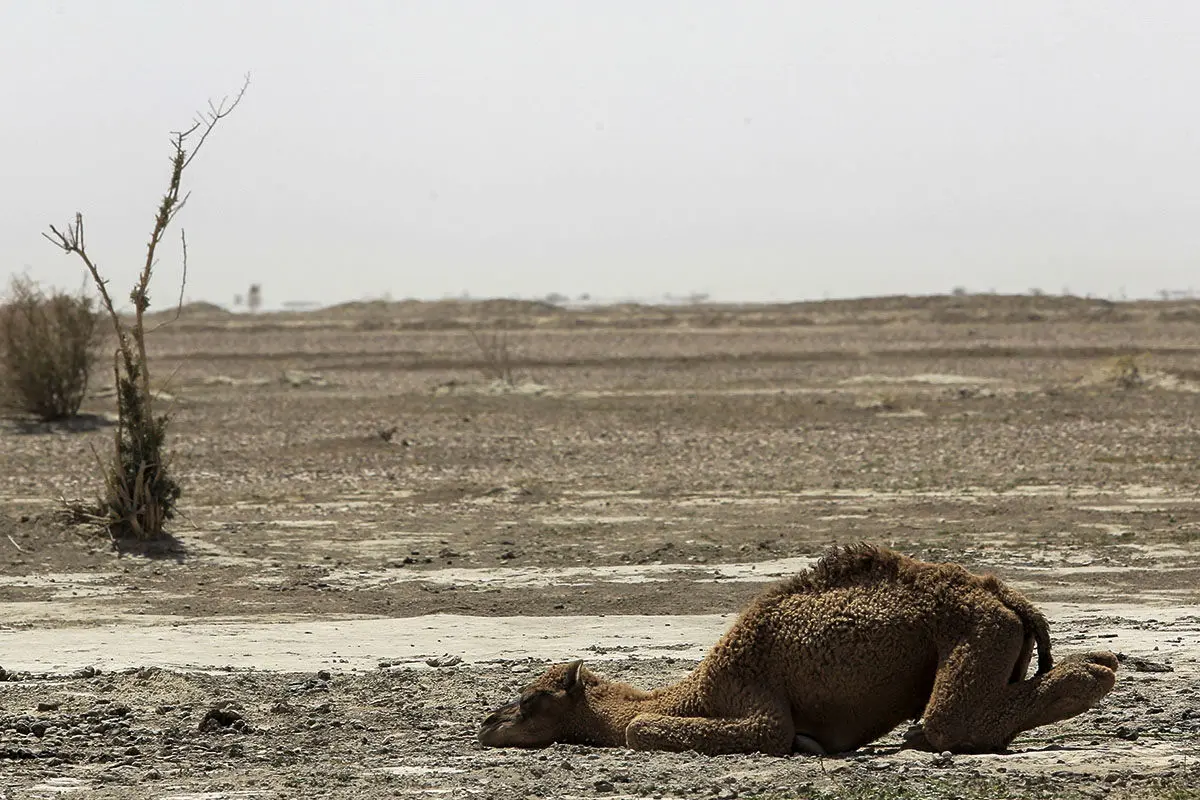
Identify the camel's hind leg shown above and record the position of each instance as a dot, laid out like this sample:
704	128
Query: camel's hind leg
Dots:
975	706
762	733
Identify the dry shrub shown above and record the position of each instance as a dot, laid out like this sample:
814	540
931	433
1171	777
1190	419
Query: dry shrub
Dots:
1127	371
494	350
140	494
48	343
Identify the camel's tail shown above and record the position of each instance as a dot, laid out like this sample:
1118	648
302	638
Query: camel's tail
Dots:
1035	624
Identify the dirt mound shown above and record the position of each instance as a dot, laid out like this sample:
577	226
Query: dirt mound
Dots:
518	314
1181	313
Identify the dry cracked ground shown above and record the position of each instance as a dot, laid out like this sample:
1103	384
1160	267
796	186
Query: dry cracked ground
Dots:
379	541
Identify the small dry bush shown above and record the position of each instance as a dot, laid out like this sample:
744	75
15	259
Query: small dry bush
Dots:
1127	372
140	494
493	347
48	343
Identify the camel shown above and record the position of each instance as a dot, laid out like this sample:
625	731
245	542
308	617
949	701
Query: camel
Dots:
830	660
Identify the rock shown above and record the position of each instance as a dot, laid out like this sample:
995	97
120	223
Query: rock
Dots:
47	706
297	378
219	718
603	786
1140	664
323	674
446	660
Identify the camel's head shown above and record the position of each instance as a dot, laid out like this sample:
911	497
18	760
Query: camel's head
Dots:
540	715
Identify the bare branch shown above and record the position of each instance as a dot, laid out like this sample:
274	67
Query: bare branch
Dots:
182	280
180	136
215	114
168	208
72	241
177	208
182	286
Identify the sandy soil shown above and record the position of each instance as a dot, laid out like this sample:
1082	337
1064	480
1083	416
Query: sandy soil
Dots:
362	498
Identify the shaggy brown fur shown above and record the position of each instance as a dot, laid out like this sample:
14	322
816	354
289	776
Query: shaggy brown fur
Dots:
829	661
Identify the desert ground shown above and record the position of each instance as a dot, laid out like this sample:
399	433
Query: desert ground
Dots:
382	538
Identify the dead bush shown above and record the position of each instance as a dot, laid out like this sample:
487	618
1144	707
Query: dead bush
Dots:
48	344
493	347
1127	372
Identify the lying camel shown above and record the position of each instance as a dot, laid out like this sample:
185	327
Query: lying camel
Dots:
830	660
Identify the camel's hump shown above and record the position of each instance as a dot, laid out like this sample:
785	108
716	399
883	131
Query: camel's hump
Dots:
845	566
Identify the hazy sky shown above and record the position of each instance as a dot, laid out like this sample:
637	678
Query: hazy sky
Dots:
753	150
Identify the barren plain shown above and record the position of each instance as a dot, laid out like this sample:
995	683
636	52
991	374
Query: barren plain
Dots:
381	539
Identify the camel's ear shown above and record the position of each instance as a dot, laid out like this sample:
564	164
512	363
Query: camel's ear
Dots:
572	682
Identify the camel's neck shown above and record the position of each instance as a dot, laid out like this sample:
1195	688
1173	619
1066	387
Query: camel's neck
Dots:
612	706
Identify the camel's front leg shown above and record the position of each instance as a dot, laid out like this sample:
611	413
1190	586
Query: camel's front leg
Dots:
762	733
